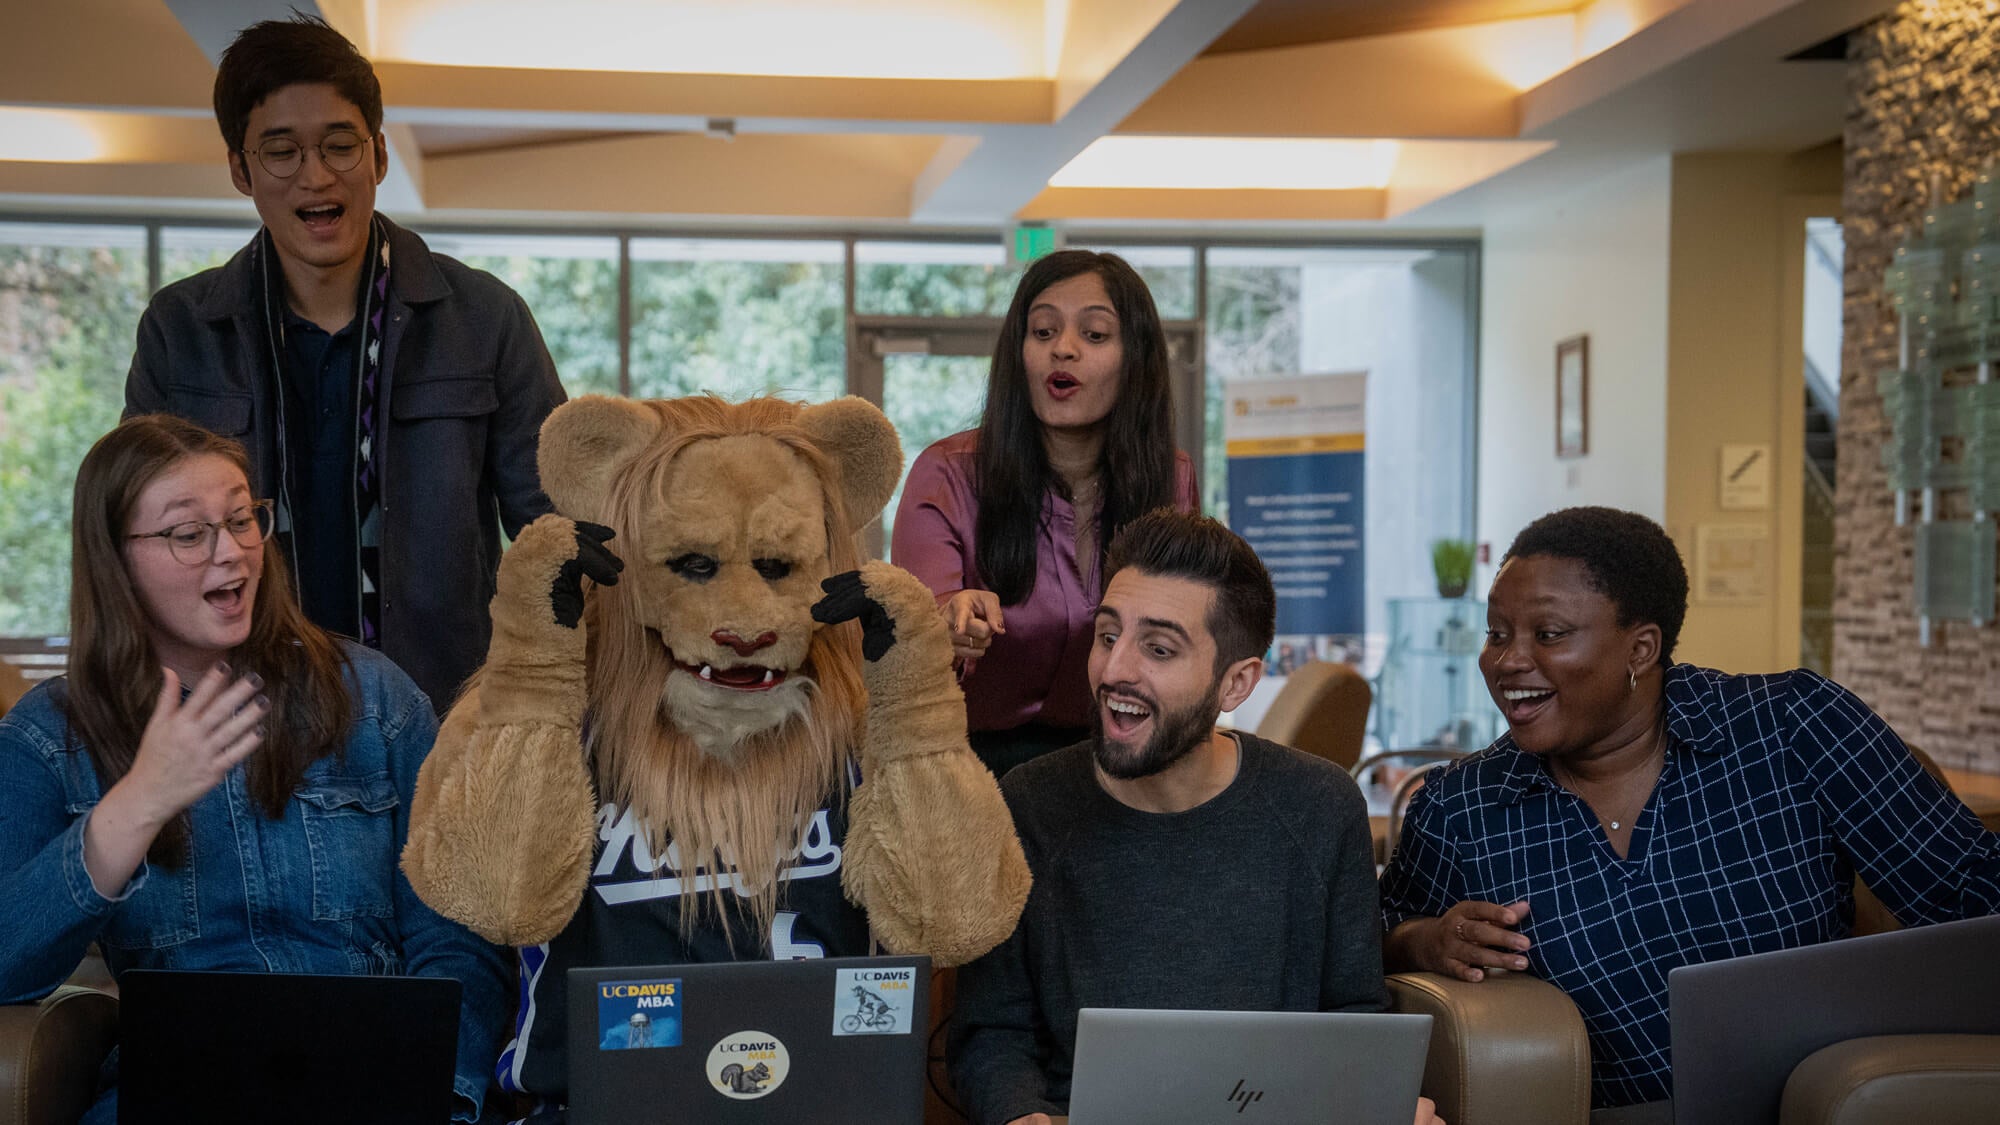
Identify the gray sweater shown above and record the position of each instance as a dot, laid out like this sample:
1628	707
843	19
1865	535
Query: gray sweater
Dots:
1262	899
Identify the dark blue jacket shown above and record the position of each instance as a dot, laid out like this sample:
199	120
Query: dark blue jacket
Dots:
467	382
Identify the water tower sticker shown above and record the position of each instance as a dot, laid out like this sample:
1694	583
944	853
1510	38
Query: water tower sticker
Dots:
638	1014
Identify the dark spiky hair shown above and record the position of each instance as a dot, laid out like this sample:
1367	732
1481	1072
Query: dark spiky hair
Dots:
1168	543
267	57
1629	559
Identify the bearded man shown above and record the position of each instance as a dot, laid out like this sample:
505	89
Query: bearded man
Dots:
1175	865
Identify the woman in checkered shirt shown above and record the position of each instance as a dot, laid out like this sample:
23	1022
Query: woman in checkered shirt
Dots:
1640	814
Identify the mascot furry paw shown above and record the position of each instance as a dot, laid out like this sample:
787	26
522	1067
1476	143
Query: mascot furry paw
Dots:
737	743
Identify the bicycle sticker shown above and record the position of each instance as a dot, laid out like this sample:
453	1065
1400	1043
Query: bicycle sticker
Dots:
879	1001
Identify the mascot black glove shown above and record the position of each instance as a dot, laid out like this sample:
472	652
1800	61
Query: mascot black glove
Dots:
593	561
846	599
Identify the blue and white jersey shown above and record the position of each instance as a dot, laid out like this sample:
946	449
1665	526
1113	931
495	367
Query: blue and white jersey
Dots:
631	915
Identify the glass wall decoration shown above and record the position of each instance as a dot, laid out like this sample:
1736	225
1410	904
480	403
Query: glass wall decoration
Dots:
1943	405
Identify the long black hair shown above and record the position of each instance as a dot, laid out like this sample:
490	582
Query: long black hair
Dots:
1013	476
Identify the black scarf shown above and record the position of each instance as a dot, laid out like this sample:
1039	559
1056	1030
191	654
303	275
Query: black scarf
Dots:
372	300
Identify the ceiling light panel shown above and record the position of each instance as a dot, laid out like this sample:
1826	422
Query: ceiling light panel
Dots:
53	135
1230	163
961	39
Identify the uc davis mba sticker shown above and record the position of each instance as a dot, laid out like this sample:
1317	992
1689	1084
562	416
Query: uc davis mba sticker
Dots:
876	1001
638	1013
748	1064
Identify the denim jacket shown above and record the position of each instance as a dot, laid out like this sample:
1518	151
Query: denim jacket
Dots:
318	890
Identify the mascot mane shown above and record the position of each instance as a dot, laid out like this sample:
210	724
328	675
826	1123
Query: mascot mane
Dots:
699	812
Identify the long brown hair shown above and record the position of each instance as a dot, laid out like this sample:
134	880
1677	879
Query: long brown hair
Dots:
114	674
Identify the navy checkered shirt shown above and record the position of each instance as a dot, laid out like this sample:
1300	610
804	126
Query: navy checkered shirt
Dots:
1776	791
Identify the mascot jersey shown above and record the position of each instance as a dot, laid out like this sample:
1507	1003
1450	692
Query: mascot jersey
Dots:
631	915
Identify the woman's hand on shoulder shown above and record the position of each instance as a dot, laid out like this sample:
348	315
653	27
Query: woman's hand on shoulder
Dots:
974	618
190	745
1469	939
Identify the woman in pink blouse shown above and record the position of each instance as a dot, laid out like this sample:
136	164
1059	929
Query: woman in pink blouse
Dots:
1007	523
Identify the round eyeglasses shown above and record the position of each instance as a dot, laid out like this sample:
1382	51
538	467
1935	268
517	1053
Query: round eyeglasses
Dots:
340	151
193	542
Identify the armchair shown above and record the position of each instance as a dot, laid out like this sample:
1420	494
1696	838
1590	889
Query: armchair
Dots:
1322	710
50	1052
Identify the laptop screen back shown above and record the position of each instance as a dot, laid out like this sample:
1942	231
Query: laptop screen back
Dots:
252	1048
1141	1067
833	1041
1740	1026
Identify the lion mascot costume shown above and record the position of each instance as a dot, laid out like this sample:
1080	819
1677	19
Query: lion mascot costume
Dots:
731	741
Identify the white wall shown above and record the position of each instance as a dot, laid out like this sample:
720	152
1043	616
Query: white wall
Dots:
1593	262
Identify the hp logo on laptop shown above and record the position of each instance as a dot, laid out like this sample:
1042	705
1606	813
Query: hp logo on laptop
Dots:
1241	1098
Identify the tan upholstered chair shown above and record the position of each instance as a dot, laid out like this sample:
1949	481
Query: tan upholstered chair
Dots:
1322	710
50	1051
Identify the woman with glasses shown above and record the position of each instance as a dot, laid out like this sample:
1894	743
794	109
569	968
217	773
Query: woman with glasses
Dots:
216	784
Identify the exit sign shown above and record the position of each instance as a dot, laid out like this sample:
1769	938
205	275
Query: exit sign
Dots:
1032	242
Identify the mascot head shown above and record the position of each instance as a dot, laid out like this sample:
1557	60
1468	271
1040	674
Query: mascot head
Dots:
720	712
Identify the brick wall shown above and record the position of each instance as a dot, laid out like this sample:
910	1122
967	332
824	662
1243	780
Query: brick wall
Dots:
1923	118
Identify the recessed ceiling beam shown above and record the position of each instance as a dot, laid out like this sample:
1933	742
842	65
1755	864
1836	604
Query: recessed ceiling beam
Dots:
1115	54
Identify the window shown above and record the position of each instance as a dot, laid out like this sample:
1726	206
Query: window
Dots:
738	317
70	298
933	278
1404	316
186	251
745	316
1168	272
571	287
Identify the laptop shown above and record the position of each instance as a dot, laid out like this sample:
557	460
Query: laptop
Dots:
1142	1067
253	1048
1740	1026
833	1041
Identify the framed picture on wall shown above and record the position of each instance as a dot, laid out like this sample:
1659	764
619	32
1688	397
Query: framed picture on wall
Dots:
1573	397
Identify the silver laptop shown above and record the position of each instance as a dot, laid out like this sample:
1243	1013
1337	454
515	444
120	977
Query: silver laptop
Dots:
1741	1025
1140	1067
833	1041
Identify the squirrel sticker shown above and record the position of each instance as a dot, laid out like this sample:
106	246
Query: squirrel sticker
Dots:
743	1081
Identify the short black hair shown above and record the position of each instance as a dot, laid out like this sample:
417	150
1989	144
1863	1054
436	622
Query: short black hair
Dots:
1169	543
268	56
1629	559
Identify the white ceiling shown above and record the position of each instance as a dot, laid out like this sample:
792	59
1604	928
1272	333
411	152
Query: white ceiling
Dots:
1488	104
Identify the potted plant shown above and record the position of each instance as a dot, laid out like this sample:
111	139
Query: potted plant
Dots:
1452	560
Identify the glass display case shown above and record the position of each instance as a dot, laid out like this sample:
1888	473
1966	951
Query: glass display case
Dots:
1430	692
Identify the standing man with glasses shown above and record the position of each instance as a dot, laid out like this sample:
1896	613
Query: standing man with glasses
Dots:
390	397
